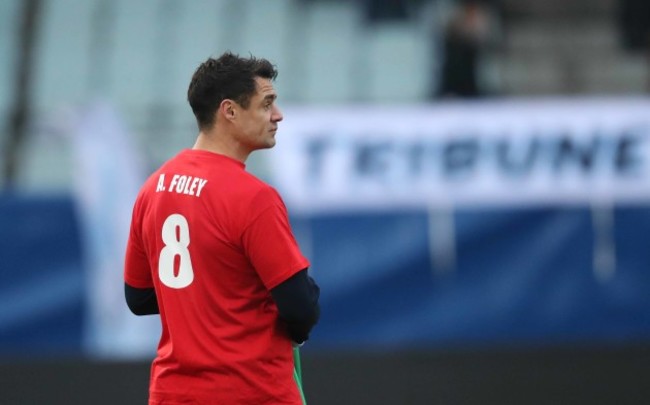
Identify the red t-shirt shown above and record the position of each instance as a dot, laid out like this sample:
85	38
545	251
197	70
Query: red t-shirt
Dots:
212	240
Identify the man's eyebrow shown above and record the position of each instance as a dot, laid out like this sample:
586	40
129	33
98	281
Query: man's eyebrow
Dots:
270	97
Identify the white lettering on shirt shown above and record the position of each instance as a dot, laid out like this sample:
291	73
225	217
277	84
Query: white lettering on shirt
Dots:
202	184
180	184
183	184
161	183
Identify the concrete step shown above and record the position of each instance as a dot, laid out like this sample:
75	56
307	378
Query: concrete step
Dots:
613	72
562	36
534	75
625	74
580	9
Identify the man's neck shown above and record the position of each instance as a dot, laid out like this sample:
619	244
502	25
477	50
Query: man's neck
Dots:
221	144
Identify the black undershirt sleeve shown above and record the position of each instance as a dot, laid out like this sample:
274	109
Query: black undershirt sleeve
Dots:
297	302
141	301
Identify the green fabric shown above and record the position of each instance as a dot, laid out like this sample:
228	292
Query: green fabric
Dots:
297	373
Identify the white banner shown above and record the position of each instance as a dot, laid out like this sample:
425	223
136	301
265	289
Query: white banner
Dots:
550	151
109	173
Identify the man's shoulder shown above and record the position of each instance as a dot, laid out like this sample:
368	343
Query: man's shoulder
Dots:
255	183
251	187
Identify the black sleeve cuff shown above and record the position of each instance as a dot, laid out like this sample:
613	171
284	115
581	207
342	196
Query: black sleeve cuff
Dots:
297	302
141	301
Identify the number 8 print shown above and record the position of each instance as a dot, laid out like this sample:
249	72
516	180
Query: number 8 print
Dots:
175	245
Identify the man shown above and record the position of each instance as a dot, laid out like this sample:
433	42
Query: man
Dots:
211	250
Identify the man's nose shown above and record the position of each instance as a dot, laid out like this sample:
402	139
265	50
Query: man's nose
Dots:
276	116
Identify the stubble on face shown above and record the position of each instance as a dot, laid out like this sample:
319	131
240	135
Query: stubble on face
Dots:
263	116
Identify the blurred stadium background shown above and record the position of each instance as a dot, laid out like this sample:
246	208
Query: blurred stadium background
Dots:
480	244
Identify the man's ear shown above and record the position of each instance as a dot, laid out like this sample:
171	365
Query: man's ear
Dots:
227	108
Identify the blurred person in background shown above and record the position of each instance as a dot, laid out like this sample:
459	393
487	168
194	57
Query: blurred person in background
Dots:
468	33
211	249
634	27
634	23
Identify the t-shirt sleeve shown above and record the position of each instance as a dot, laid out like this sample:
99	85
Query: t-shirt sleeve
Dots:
269	242
136	265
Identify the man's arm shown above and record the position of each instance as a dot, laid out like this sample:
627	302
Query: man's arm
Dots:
141	301
297	302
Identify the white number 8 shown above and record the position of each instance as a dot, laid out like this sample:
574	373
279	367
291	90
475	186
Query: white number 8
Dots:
175	245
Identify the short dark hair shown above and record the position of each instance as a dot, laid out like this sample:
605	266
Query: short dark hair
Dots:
227	77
